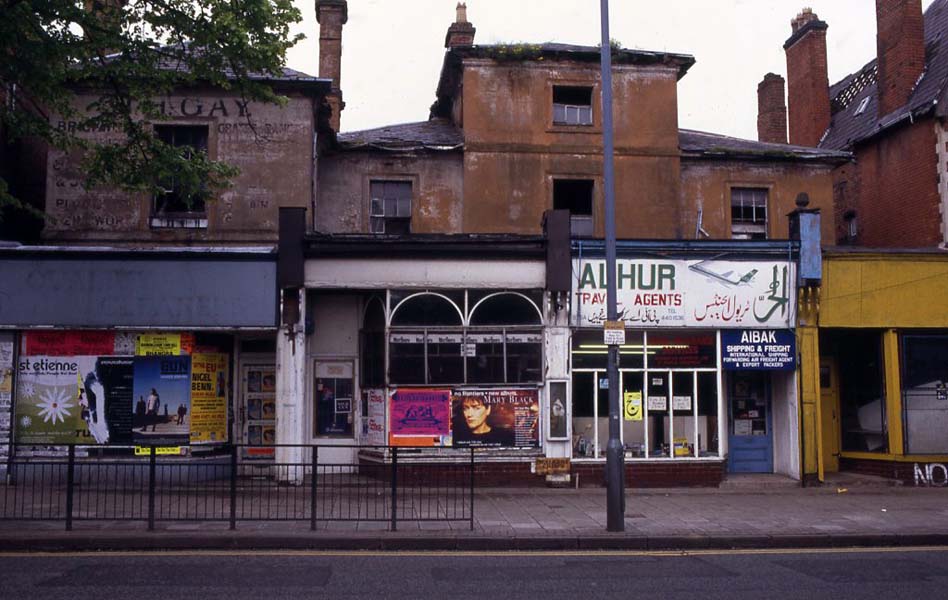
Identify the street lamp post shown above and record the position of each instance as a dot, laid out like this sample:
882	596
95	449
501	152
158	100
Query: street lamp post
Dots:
615	470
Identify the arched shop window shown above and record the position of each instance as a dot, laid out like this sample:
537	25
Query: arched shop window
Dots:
432	342
372	340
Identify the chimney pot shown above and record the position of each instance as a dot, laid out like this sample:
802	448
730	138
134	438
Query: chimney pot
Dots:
461	32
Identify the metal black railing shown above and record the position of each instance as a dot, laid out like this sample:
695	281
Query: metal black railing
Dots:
385	484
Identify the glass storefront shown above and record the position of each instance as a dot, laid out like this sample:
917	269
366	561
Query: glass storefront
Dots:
669	392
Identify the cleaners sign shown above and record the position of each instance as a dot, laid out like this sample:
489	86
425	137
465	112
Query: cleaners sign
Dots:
758	350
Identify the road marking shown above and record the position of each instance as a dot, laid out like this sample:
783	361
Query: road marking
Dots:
475	553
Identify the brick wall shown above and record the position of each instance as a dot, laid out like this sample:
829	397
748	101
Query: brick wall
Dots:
807	81
893	188
900	48
518	474
771	110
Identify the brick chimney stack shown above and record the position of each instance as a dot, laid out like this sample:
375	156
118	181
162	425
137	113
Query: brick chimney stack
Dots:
900	48
807	79
771	110
460	33
331	16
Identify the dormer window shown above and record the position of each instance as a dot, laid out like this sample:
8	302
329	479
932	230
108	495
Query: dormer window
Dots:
572	105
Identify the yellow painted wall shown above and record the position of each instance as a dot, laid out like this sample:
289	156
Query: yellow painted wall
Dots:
885	290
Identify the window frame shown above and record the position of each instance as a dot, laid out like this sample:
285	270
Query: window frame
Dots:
742	229
576	109
372	216
580	224
181	219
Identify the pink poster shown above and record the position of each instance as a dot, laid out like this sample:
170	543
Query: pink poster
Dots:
423	413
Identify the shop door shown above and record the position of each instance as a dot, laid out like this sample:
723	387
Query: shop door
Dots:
829	414
751	436
258	409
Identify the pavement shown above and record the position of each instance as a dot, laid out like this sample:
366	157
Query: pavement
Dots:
752	512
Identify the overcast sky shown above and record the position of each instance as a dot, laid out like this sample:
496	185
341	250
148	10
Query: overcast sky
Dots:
393	49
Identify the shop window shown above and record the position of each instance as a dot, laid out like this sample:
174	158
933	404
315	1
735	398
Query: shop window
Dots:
749	213
576	196
572	105
505	308
430	345
333	401
925	393
590	352
390	207
426	310
372	337
682	350
861	390
172	206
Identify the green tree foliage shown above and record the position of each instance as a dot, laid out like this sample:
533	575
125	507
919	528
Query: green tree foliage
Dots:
127	55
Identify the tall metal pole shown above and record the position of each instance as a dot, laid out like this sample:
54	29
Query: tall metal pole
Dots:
615	470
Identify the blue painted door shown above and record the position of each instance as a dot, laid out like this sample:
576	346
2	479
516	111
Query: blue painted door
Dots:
751	438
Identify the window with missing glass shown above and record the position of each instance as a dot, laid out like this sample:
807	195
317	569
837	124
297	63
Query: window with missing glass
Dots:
465	337
749	213
925	392
174	204
390	207
572	105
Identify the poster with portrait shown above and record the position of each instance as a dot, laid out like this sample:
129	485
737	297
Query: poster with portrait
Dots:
162	396
495	418
73	400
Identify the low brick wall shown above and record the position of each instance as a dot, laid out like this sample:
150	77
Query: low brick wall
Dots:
641	474
889	469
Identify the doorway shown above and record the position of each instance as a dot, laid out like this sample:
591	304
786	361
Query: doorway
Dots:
829	414
751	438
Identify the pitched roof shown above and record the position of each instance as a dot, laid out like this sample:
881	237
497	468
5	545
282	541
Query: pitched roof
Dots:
442	135
700	144
860	89
169	60
434	134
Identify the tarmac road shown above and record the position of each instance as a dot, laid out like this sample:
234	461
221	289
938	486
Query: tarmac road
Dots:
698	575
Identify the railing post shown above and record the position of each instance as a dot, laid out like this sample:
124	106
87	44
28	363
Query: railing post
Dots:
394	488
233	486
152	461
312	490
70	480
472	488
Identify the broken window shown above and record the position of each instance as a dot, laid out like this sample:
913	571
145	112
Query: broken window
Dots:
576	196
925	393
390	210
749	213
572	105
172	201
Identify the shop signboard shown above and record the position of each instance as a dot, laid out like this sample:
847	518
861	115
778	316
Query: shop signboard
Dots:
758	350
496	418
718	294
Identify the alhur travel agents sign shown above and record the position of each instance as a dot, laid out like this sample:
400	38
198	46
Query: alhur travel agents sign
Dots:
687	293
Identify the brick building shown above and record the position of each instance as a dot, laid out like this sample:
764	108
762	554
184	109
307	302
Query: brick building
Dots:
889	114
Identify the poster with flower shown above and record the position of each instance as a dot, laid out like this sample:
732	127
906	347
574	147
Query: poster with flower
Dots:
72	400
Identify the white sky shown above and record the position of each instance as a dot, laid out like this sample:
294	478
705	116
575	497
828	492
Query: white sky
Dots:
393	49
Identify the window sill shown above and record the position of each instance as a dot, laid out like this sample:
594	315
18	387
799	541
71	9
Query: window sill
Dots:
178	222
556	128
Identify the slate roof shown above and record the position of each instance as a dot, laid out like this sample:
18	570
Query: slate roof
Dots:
847	128
700	144
442	135
434	134
170	62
